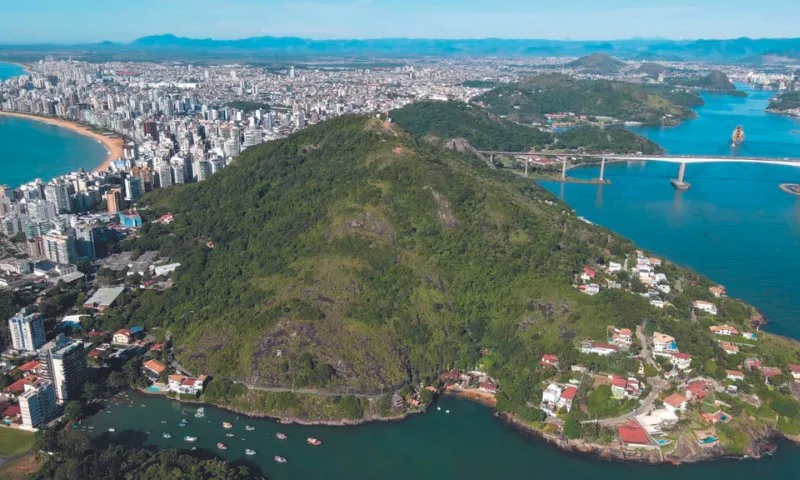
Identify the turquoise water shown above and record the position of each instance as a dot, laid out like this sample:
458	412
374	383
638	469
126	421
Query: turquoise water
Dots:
8	70
31	149
467	443
734	225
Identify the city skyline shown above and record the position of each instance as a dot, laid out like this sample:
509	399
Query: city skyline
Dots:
362	19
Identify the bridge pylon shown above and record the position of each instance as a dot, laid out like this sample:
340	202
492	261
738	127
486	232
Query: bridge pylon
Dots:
602	169
678	182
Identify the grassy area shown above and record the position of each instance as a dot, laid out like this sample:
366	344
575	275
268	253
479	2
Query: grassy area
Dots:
22	468
15	442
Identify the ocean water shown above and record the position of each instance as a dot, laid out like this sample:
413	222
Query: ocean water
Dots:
8	70
467	443
31	149
734	225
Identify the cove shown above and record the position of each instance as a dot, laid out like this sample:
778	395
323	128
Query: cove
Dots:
467	443
31	149
8	70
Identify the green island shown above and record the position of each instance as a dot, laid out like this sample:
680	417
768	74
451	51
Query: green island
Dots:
367	268
786	103
531	100
597	63
715	81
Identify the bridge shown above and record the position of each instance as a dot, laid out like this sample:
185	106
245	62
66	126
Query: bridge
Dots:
683	160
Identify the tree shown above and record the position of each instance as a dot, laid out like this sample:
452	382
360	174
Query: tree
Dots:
73	410
116	380
89	392
572	429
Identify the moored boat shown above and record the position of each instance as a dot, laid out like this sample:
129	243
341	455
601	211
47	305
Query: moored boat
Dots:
249	451
279	459
281	436
222	446
166	435
313	441
249	428
227	425
189	438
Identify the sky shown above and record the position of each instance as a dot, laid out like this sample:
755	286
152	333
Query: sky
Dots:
76	21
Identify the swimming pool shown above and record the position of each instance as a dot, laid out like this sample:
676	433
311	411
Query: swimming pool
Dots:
708	440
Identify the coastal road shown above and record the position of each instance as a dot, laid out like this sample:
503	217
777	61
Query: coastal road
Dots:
645	347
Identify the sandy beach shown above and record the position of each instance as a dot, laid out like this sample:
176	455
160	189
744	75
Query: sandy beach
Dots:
113	144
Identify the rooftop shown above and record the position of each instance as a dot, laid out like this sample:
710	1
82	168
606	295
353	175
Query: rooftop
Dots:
105	296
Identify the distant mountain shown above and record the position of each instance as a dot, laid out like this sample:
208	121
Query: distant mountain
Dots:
652	69
531	100
597	63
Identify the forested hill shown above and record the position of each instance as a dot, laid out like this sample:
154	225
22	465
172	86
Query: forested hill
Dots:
441	122
531	100
354	254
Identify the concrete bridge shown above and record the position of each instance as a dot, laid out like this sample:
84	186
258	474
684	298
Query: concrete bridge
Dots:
682	160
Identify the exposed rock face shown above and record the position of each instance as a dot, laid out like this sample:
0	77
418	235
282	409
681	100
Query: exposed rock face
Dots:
461	145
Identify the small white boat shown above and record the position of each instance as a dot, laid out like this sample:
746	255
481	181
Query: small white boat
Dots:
280	459
447	411
112	430
166	435
314	442
229	435
249	428
438	408
189	438
281	436
227	425
222	446
249	451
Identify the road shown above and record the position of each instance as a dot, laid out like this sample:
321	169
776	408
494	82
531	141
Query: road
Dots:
645	347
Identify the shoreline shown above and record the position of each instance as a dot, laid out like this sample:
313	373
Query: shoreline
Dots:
113	145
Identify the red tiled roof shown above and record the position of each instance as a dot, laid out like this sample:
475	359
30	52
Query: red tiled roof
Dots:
188	382
633	432
123	331
26	367
605	345
618	381
569	393
18	386
155	366
12	411
681	356
794	368
675	400
94	353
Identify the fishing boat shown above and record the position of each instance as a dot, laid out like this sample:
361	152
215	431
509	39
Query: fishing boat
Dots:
112	430
281	436
447	411
227	425
189	438
222	446
166	435
314	442
249	428
279	459
249	451
738	137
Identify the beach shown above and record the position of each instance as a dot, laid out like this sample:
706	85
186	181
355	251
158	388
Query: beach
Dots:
113	145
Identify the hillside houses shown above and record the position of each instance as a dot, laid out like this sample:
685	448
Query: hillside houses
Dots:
556	397
705	306
620	337
725	330
596	348
664	345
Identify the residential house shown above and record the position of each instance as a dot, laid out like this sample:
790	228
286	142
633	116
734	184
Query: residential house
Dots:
751	363
614	267
602	349
153	369
729	348
664	345
726	330
705	306
795	371
698	390
633	388
682	361
734	375
633	434
589	273
657	303
770	372
656	421
716	417
121	337
718	291
488	386
549	360
567	397
590	289
186	385
675	403
550	398
621	337
618	385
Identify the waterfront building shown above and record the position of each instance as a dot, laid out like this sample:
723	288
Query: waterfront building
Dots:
27	331
37	403
63	362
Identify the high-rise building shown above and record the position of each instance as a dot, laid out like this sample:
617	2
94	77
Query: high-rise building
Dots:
84	241
27	331
36	247
178	173
60	248
58	193
63	362
164	175
151	130
114	200
202	170
37	403
133	189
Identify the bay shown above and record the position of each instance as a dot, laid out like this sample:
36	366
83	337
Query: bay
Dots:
31	149
8	70
467	443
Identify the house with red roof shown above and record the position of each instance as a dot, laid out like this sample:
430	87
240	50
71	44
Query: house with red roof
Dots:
153	369
675	403
770	372
488	386
567	397
734	375
30	367
186	385
795	371
683	361
633	434
602	349
618	385
729	348
122	337
549	360
698	390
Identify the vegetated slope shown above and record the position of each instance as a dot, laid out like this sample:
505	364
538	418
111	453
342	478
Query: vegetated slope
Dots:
352	254
715	81
652	69
445	121
784	102
597	63
530	100
610	139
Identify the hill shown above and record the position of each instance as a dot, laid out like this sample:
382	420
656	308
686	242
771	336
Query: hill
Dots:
785	102
530	100
652	69
597	63
442	122
714	81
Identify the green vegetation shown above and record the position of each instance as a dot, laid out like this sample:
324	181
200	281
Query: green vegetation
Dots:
530	100
14	442
483	130
480	83
572	429
652	69
715	81
602	405
597	63
610	139
785	101
248	106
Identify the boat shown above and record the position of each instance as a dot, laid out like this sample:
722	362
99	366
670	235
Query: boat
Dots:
738	137
249	428
438	408
222	446
112	430
227	425
313	441
281	436
249	451
148	432
188	438
200	413
166	435
447	411
279	459
229	435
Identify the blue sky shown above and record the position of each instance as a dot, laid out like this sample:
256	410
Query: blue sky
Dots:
66	21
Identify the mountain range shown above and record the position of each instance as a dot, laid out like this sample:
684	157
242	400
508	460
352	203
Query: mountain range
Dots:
739	49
